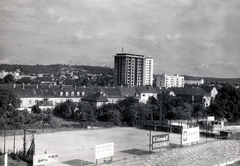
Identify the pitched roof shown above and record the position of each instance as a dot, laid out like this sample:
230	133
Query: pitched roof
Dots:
189	91
50	91
207	89
96	97
112	92
144	89
128	91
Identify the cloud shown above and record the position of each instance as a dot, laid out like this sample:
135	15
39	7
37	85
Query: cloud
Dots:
81	36
202	66
51	10
149	37
184	2
4	61
174	37
61	19
101	35
177	36
227	63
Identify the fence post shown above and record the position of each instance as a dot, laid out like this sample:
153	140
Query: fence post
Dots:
6	159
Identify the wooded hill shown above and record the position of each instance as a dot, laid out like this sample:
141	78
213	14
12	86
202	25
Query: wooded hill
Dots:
56	69
209	80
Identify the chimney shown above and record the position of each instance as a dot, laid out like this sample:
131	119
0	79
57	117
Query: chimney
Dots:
23	86
102	93
14	86
75	87
37	86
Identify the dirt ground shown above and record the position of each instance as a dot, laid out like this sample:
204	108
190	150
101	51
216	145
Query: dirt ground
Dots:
74	147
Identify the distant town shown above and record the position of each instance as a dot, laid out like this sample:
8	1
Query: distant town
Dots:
52	97
132	76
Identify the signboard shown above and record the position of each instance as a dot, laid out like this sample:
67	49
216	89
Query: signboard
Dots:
45	159
104	150
210	118
159	141
190	135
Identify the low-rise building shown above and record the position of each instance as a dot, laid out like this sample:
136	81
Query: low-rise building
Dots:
211	90
193	81
195	95
168	81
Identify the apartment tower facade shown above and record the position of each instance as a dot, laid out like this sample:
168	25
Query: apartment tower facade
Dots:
132	70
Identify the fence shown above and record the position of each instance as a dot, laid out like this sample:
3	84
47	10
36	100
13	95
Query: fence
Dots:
207	154
4	160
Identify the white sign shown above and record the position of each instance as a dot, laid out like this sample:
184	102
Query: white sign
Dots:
45	159
159	141
190	135
210	118
160	144
104	150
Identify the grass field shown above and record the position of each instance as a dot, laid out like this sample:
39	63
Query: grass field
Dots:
76	146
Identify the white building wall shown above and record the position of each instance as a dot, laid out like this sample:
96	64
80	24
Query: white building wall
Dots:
144	97
167	81
149	71
29	102
196	82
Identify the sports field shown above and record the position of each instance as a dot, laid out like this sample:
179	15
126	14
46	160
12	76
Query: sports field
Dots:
79	146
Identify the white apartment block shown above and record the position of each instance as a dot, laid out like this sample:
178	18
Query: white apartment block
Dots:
168	81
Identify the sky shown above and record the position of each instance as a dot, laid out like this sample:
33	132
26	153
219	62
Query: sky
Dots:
188	37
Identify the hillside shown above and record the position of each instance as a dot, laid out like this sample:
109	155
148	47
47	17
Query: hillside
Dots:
56	69
215	80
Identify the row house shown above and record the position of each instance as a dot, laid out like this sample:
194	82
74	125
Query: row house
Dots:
51	95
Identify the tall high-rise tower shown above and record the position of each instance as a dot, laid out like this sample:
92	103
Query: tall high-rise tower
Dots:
132	70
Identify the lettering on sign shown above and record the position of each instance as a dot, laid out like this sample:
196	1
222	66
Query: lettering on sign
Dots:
159	141
104	150
160	144
190	135
45	159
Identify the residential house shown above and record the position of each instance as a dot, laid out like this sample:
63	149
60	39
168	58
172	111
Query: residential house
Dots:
210	90
146	92
97	99
195	95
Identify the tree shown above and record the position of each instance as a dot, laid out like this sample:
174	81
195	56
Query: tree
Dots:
85	82
104	112
25	80
8	79
8	100
226	103
85	112
129	115
129	101
114	115
36	109
198	110
65	110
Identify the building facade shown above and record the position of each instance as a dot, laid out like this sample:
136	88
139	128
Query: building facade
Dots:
168	81
195	81
132	70
148	71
